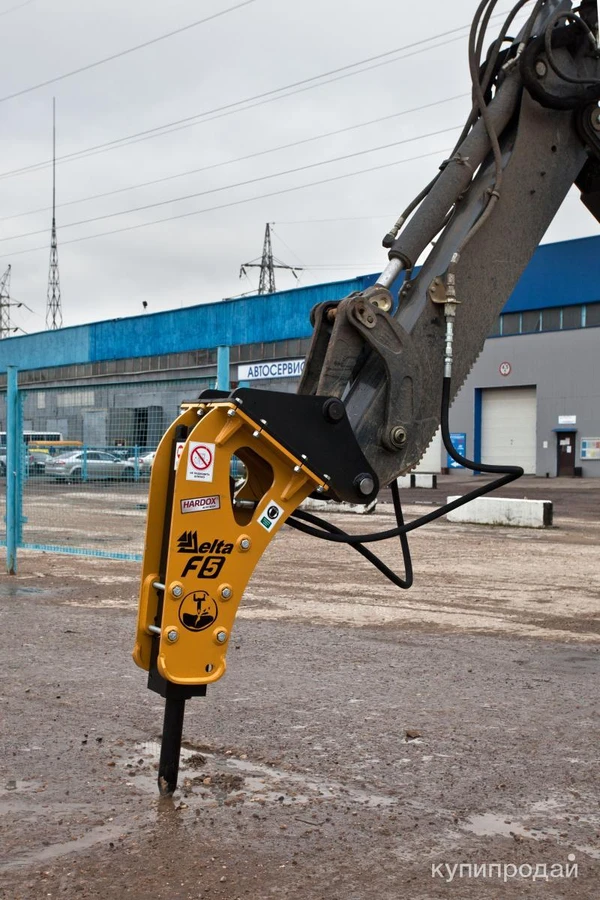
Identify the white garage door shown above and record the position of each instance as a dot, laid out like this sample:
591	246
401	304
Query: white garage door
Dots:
508	427
431	461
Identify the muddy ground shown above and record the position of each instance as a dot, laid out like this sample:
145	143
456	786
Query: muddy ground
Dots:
361	735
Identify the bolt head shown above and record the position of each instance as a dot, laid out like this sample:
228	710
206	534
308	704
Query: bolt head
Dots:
172	636
226	593
231	413
365	484
333	410
320	489
398	436
245	544
177	590
541	68
221	636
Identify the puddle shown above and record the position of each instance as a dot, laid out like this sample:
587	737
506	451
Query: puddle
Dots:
206	777
490	825
97	835
11	590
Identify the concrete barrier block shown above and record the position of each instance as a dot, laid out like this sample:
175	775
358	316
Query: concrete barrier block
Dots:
425	480
405	481
330	506
503	511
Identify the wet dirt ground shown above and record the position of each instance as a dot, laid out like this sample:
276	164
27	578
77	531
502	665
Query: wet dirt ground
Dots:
363	739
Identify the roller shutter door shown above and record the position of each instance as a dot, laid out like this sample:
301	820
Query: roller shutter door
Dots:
508	427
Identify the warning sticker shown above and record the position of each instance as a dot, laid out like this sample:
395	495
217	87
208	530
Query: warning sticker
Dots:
201	462
270	515
178	451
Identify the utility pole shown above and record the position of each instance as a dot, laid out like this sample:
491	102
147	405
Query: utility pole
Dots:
53	307
267	266
5	305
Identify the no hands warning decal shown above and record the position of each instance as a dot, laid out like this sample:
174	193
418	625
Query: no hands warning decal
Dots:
201	461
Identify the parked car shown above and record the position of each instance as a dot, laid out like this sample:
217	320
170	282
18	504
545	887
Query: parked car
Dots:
91	465
144	462
33	466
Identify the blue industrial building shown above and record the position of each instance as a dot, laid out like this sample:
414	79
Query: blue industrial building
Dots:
534	394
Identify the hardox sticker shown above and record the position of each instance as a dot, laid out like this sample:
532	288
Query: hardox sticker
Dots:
200	504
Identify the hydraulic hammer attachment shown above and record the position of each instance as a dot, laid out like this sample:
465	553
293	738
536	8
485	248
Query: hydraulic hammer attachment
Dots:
203	539
205	535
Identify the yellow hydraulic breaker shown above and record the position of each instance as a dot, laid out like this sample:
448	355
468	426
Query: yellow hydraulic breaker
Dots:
214	538
204	537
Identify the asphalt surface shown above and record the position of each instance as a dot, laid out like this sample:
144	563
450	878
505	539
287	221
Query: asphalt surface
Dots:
362	743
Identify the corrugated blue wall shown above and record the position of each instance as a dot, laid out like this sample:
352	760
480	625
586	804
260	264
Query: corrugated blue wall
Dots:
559	274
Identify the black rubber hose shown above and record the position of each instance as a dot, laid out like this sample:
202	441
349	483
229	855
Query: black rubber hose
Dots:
368	554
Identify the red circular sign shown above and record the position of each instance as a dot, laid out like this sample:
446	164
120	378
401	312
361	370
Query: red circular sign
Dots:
505	368
201	458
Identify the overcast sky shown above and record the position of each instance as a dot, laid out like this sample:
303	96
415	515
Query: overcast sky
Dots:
256	48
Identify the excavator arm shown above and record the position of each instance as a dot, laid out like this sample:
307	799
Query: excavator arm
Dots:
383	365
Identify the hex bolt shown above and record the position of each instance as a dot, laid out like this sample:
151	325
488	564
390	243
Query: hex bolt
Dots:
541	68
245	544
226	593
221	636
231	413
398	436
297	468
320	489
256	434
177	590
365	484
172	636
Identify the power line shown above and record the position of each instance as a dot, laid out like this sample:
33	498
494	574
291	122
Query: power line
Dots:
100	62
244	183
233	203
15	8
227	109
336	219
238	159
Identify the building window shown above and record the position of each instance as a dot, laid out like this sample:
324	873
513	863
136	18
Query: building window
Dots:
571	317
531	321
511	323
592	316
551	319
41	400
75	398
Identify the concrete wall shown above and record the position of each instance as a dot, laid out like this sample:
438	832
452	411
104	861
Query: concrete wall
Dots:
563	366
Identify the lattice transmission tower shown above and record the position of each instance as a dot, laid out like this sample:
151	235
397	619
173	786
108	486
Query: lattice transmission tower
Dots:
267	265
5	305
54	318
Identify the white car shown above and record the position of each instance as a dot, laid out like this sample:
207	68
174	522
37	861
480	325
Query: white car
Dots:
144	462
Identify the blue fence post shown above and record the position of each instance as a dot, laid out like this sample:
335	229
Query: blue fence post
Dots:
223	369
136	463
84	471
13	465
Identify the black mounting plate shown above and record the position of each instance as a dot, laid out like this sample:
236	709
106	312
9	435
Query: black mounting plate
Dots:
317	431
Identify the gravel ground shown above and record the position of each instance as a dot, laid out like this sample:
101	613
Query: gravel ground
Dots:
362	740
